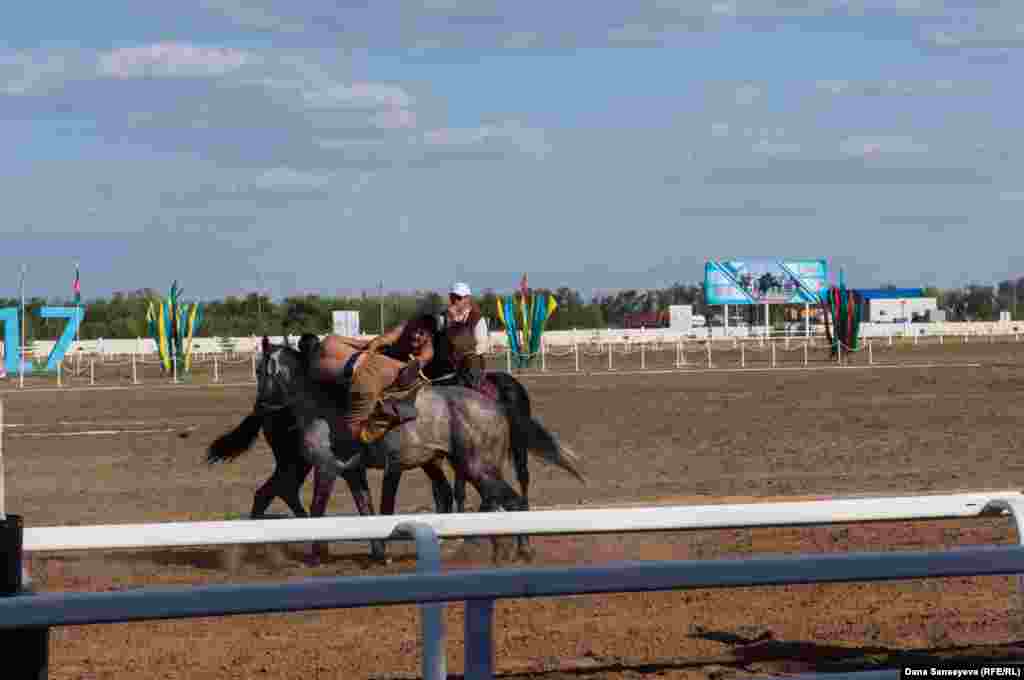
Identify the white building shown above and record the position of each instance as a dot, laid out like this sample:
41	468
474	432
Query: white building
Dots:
899	310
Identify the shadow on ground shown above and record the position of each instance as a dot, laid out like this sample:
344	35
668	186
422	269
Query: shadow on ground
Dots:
760	654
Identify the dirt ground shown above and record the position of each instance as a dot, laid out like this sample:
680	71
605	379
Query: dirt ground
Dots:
929	419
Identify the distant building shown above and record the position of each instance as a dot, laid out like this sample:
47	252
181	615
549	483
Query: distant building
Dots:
898	305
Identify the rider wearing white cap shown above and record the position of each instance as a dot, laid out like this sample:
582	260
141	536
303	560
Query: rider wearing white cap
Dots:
462	330
464	327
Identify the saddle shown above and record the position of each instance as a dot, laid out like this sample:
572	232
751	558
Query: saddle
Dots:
396	407
486	387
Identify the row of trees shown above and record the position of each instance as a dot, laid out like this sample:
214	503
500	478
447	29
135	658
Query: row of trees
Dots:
123	315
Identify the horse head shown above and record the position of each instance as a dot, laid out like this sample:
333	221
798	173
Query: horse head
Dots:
280	369
308	344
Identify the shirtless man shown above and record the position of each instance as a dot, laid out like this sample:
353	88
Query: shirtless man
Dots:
367	374
461	329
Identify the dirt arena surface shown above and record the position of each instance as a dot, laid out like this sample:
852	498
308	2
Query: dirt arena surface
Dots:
932	419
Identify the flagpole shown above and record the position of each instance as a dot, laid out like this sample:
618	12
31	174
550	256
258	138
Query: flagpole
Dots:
21	351
78	308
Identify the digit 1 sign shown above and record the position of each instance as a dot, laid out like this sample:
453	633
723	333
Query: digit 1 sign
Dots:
12	338
12	334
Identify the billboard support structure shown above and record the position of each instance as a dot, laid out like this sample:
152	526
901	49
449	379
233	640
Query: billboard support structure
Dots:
765	281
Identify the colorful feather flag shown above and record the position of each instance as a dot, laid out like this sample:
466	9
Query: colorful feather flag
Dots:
172	327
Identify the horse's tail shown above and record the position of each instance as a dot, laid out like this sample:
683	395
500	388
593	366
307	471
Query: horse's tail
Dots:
230	446
514	397
546	446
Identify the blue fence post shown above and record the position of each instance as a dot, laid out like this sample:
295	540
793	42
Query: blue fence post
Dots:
32	644
428	561
479	636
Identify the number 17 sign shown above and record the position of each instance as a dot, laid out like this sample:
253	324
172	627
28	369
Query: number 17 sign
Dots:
12	334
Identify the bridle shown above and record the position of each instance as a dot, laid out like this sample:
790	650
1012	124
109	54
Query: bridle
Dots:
264	406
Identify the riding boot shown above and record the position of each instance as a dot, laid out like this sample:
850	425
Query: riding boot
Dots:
472	373
361	448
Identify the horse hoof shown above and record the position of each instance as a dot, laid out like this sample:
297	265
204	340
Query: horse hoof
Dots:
527	554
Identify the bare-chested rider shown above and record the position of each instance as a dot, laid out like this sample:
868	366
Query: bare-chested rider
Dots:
367	374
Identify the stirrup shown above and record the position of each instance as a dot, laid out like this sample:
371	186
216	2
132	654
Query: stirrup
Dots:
370	434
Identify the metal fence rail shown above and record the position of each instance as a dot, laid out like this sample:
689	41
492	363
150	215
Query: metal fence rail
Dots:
480	588
432	589
534	523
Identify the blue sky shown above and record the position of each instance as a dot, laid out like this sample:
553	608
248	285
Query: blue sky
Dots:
322	146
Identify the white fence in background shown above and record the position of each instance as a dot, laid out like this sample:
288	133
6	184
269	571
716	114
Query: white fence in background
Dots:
569	338
594	356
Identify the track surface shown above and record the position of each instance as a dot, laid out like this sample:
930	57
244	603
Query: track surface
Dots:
659	437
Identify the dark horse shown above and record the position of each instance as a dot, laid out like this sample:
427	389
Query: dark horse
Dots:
280	428
457	423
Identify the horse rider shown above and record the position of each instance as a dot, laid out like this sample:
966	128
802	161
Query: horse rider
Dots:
350	364
465	330
460	336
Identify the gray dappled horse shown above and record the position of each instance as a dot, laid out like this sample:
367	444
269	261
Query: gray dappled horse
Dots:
280	428
468	429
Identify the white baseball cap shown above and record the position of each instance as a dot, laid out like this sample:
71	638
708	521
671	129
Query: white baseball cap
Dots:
461	289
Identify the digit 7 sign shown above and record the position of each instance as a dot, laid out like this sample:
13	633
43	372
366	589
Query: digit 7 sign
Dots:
12	334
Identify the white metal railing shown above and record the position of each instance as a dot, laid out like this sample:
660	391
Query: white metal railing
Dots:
431	589
123	348
534	523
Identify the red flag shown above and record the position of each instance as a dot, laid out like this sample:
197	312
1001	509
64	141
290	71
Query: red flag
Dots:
523	288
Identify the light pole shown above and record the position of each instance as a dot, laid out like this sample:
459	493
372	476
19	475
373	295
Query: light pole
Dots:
21	351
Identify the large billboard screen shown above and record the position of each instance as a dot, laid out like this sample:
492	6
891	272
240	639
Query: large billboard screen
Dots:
764	280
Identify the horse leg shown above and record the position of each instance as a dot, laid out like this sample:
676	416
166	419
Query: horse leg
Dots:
263	497
289	493
517	404
389	490
460	502
460	493
316	448
495	494
323	485
443	497
519	454
283	463
360	488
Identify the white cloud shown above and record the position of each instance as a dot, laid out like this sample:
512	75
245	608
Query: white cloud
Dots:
987	28
358	95
747	94
505	134
574	23
339	144
33	71
171	59
901	88
869	146
287	178
776	148
395	118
